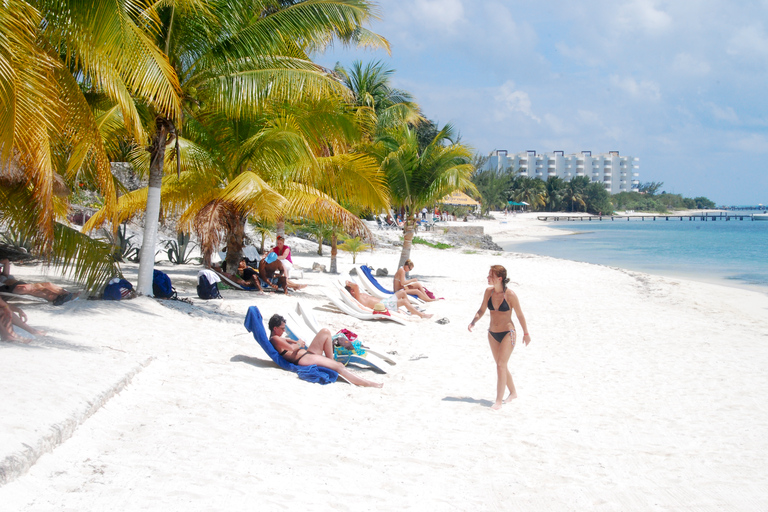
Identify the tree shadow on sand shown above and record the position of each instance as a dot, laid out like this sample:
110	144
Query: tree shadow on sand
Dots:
469	400
254	361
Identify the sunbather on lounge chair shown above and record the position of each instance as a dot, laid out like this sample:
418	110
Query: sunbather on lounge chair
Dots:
412	286
249	275
48	291
319	352
392	303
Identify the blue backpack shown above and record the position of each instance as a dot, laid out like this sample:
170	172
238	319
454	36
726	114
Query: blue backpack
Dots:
117	289
207	290
161	286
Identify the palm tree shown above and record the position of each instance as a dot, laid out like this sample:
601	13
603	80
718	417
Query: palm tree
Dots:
529	190
418	179
54	57
554	192
493	187
379	105
573	193
236	61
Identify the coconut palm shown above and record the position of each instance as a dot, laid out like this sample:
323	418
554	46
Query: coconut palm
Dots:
235	60
54	57
419	179
529	190
573	193
554	192
379	104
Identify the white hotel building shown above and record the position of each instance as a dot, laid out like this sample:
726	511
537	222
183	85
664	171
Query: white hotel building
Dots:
616	173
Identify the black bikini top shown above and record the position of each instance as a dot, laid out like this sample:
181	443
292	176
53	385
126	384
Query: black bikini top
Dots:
502	307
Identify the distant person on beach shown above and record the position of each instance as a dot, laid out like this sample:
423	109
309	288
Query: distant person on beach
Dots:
501	333
298	353
11	315
392	303
48	291
410	286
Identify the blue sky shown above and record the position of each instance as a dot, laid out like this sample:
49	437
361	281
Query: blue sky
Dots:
679	84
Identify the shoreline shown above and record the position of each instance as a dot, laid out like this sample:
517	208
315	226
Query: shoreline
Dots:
627	374
544	233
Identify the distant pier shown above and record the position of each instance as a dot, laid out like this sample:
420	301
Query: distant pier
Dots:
642	218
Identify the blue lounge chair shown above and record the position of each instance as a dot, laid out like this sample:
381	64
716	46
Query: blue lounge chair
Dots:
254	323
368	274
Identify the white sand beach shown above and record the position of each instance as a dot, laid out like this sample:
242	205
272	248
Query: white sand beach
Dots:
637	392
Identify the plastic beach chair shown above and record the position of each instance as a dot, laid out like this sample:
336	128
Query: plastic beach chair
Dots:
344	308
297	329
357	306
311	322
254	323
377	289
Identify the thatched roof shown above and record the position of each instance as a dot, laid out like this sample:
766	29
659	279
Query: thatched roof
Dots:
13	175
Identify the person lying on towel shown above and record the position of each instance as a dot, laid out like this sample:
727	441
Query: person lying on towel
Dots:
319	352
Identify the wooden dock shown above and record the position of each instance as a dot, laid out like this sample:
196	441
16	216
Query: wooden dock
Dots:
643	218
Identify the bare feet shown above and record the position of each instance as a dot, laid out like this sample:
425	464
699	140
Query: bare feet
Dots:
496	406
376	385
509	398
424	315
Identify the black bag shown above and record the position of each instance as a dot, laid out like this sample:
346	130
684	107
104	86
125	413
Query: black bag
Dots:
207	290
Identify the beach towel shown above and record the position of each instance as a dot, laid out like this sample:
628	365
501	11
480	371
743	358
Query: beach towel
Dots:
368	271
254	323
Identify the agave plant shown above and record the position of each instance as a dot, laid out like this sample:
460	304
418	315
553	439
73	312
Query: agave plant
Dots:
179	250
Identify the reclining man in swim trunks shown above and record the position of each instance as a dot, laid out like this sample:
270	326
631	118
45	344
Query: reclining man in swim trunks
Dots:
399	298
409	285
48	291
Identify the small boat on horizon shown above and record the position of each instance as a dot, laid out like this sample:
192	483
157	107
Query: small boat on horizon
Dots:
760	216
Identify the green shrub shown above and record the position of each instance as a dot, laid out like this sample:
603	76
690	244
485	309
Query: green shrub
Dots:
438	245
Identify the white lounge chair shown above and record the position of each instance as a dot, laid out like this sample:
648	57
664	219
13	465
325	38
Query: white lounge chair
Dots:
377	289
344	308
355	304
311	322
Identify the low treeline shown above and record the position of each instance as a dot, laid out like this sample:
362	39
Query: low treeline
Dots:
580	194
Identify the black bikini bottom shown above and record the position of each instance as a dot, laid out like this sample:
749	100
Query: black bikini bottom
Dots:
499	336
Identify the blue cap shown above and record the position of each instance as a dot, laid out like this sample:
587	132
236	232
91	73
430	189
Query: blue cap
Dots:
272	256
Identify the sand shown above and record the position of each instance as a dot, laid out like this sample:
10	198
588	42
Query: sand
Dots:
637	392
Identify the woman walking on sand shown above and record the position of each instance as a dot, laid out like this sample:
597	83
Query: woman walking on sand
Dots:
501	333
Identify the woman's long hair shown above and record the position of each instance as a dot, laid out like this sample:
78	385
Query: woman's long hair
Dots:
501	272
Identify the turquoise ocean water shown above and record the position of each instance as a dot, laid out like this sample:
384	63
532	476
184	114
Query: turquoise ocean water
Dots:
731	252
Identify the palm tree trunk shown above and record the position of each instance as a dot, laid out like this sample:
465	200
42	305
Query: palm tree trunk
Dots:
320	245
409	231
280	227
235	242
164	131
334	251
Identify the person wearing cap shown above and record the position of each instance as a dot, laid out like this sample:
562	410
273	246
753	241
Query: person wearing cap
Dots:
391	303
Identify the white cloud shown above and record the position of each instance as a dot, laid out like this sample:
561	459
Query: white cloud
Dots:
515	101
752	144
644	89
687	64
723	113
749	42
645	15
440	13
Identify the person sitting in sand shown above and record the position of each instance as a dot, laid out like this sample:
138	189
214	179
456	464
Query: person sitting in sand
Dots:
319	351
501	333
411	286
48	291
248	275
273	274
11	315
392	303
284	255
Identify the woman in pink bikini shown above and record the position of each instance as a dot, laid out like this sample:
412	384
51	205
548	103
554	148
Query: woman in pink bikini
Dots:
501	333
